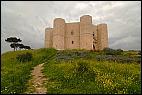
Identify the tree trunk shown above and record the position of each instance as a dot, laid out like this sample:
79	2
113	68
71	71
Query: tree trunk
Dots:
14	46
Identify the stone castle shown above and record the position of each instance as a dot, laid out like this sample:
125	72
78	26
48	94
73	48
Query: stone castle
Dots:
76	35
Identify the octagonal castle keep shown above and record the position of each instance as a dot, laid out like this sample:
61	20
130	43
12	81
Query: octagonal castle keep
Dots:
76	35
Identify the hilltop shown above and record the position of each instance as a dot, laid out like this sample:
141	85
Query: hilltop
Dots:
73	71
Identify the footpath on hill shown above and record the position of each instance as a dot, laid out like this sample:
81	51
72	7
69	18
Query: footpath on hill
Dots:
36	84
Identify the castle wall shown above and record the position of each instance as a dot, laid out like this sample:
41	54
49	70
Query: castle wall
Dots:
86	33
94	29
48	37
59	33
102	36
72	36
83	35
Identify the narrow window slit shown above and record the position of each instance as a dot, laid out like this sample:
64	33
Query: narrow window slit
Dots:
72	42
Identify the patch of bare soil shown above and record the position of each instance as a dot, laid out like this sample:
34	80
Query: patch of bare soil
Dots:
36	84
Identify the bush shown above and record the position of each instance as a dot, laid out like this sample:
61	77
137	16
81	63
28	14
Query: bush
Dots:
118	58
109	51
84	71
119	51
70	55
24	57
82	67
139	53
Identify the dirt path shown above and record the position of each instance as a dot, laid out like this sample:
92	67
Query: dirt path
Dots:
36	84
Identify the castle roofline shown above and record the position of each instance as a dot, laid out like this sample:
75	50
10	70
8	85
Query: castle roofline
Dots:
86	15
73	23
46	29
58	18
102	24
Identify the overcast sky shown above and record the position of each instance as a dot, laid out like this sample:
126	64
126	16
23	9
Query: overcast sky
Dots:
28	20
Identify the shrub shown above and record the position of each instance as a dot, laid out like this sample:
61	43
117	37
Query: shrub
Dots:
24	57
82	67
118	58
139	53
84	71
109	51
119	51
69	55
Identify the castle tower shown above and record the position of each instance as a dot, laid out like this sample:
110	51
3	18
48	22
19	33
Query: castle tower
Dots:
72	36
76	35
59	33
86	33
48	37
102	37
95	45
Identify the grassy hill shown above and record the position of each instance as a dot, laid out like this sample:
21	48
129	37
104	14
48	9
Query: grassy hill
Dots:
74	71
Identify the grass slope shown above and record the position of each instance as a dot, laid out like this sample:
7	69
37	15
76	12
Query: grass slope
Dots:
89	76
15	74
78	72
72	71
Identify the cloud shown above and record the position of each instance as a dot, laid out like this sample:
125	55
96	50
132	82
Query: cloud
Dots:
28	20
81	6
127	43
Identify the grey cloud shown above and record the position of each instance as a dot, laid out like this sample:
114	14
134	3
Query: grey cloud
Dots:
126	43
28	20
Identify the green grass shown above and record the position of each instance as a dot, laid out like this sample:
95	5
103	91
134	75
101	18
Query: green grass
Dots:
92	78
71	72
78	72
15	74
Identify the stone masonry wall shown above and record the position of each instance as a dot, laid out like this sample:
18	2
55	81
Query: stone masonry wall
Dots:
102	36
72	36
77	35
48	37
59	33
86	34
